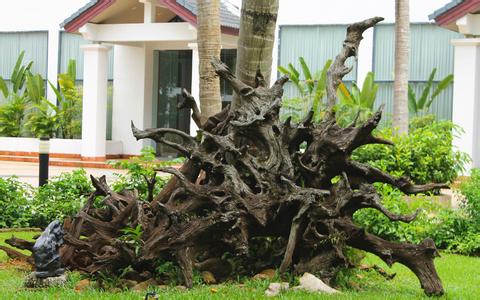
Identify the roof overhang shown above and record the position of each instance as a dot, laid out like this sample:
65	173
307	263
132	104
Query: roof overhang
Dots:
94	8
453	13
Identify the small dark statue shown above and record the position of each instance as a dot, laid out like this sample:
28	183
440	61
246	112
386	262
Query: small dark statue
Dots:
45	251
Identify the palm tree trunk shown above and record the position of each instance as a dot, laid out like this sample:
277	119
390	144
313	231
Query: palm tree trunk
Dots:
402	53
255	42
208	39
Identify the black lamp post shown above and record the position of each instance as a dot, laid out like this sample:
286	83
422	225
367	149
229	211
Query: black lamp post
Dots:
43	158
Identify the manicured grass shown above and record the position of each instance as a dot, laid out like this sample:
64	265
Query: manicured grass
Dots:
460	276
26	235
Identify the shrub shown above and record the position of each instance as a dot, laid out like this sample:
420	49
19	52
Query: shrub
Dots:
139	170
14	197
357	103
471	190
62	196
455	230
375	222
311	91
419	105
64	118
424	155
12	116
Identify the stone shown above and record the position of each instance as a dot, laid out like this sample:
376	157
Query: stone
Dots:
311	283
32	281
128	284
208	277
265	274
82	285
181	287
142	286
276	288
45	251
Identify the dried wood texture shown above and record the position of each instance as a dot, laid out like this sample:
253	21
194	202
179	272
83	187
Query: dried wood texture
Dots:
263	192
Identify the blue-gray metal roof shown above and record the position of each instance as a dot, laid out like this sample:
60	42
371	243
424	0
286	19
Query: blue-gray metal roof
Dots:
445	8
78	12
229	13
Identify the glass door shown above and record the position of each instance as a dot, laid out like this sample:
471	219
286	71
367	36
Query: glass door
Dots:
174	73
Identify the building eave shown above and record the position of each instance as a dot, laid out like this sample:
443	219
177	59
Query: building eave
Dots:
95	7
84	14
454	11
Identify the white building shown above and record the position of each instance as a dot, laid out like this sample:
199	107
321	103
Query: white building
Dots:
153	43
463	16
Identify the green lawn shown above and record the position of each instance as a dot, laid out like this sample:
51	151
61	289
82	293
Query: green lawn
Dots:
460	276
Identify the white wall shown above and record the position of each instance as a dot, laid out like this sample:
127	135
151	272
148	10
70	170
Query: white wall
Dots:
35	15
57	146
132	94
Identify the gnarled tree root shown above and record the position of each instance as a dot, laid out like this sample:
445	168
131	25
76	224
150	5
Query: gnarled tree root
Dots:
247	193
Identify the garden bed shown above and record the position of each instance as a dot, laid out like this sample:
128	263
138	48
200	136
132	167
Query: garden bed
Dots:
458	273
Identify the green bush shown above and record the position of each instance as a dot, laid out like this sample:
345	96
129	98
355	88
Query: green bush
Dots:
62	196
139	169
425	154
12	116
311	91
393	199
471	190
14	206
455	230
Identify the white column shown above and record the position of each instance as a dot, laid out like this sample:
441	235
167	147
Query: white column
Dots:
149	11
52	58
132	95
466	97
94	114
195	88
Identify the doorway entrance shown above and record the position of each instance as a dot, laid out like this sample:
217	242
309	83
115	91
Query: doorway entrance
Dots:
174	73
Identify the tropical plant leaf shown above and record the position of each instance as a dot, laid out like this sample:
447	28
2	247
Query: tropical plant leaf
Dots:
442	85
4	87
369	91
284	71
320	90
355	94
294	72
322	80
344	95
56	91
412	101
35	87
426	91
72	69
308	75
16	68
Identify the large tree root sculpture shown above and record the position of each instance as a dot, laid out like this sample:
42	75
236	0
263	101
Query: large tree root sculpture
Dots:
249	176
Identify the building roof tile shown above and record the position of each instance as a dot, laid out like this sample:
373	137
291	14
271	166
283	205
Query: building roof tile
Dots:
229	13
445	8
